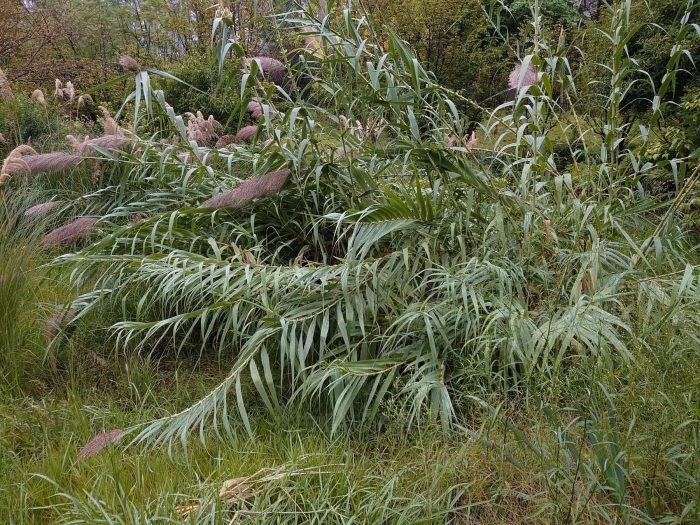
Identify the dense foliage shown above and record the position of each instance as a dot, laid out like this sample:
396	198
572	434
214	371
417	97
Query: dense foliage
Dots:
350	237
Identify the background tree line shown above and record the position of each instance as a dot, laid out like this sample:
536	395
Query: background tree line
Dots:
81	40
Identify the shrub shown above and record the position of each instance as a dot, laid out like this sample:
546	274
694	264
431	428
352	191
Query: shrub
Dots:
451	39
23	119
555	11
220	94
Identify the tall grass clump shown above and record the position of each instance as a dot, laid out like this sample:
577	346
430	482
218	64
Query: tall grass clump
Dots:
411	270
21	309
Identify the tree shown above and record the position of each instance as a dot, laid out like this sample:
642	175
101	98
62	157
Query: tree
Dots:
451	39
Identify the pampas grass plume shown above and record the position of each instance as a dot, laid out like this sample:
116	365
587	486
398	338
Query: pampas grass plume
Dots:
84	99
225	140
51	162
5	89
69	233
99	442
41	209
129	63
271	69
111	126
69	91
246	133
529	77
253	188
15	163
255	109
56	322
202	131
38	96
470	142
110	143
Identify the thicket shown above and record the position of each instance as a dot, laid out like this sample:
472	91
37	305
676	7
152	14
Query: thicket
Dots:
359	241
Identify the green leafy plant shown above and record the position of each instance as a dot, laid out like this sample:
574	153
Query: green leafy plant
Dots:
399	267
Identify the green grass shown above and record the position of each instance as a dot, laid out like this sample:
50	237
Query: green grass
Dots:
509	461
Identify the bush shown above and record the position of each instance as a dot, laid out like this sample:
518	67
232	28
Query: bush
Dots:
23	120
220	94
555	11
451	39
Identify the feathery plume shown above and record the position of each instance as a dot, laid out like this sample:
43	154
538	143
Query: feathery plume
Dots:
41	209
111	126
449	140
201	154
23	149
99	442
373	128
57	322
51	162
529	77
38	96
223	11
470	142
75	143
202	130
562	38
69	233
363	131
257	110
84	99
5	89
344	151
15	164
225	140
129	63
270	68
69	91
64	92
359	130
88	146
110	143
246	133
253	188
2	139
